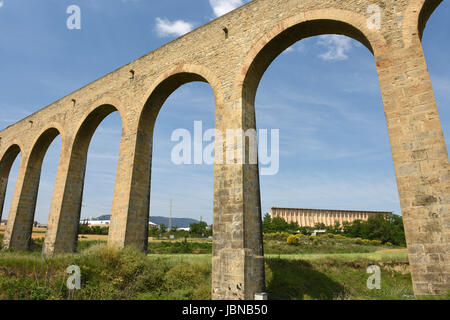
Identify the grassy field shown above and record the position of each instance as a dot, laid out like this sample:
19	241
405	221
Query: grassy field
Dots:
182	270
326	276
127	274
39	233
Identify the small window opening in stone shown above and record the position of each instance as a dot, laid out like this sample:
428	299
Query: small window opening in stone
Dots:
132	74
74	101
225	30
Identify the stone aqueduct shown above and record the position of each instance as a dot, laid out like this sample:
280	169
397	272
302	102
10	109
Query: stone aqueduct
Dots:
231	54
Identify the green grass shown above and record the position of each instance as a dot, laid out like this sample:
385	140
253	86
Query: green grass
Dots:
373	256
181	247
330	279
327	276
128	274
278	247
106	274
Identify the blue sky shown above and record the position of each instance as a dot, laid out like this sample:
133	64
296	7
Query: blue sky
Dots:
323	93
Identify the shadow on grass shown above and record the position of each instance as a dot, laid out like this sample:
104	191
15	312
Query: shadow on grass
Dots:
297	280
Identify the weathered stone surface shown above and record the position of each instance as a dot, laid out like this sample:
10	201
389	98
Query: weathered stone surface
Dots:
257	33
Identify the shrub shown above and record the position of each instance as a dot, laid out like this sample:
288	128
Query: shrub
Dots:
279	236
184	276
293	240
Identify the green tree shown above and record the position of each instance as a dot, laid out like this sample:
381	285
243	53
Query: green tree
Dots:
320	226
199	229
267	224
386	228
98	230
306	230
335	229
153	231
277	224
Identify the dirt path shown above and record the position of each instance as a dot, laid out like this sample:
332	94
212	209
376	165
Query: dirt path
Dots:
391	250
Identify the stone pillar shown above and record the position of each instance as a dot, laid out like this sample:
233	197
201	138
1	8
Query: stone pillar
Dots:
421	164
3	185
238	255
21	217
5	167
18	233
57	237
131	202
65	210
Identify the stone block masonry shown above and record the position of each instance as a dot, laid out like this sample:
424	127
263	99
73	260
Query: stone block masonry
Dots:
233	64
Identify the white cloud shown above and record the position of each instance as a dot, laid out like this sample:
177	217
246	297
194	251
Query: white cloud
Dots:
220	7
338	46
1	3
440	83
290	49
301	47
165	27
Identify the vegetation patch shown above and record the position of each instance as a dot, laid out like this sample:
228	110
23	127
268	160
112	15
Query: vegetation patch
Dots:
105	274
386	229
184	247
128	274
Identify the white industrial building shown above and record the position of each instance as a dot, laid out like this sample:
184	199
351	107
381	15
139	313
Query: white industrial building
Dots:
103	223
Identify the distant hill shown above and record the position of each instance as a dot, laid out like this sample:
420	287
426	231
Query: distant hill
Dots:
176	222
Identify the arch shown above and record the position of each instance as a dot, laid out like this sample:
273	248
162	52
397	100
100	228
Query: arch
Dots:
62	234
296	28
6	163
416	17
425	14
19	230
435	49
171	80
130	215
164	87
96	112
8	159
43	141
256	61
89	125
